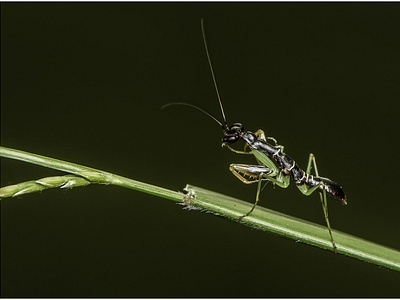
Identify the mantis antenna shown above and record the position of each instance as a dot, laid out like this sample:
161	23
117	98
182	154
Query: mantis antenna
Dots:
198	108
225	125
212	72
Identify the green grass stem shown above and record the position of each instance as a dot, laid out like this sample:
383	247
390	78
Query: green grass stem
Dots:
93	176
198	198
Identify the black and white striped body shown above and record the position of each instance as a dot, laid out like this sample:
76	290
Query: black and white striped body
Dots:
284	162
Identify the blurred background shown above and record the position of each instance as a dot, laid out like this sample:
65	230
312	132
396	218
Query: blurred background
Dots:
85	82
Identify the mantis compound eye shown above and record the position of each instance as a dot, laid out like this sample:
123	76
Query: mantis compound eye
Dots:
233	133
230	138
236	127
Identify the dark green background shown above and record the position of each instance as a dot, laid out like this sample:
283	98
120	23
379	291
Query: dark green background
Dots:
85	82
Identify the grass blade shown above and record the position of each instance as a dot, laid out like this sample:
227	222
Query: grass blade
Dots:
195	197
293	228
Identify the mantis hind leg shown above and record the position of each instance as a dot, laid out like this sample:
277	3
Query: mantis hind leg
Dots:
312	163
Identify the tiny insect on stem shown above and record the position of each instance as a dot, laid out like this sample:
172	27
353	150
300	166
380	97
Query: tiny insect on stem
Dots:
273	164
